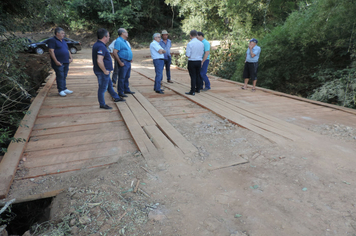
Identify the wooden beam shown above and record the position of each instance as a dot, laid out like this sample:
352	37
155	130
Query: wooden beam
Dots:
142	141
177	138
14	152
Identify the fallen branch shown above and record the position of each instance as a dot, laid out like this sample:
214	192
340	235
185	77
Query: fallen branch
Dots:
135	190
122	216
144	193
7	205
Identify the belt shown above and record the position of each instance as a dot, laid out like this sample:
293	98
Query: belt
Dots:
159	59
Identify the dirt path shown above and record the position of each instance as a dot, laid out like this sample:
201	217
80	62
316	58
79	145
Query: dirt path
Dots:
305	187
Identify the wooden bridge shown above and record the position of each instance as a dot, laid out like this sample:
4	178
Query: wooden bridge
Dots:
67	134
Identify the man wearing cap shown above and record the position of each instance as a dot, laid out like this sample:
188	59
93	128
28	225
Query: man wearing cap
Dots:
194	52
251	63
102	67
157	54
123	55
166	44
204	62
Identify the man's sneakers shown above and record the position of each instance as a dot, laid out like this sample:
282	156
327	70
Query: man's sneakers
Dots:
205	89
129	92
170	81
106	107
62	94
65	92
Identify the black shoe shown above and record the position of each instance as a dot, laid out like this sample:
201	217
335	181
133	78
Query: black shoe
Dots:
119	100
129	92
197	91
106	107
190	93
123	95
206	89
170	81
160	92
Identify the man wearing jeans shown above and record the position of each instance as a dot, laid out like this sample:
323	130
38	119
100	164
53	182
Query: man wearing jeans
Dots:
204	62
60	59
158	61
102	67
123	55
194	52
166	44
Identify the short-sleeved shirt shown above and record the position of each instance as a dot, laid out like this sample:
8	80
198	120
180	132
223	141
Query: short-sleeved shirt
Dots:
124	49
154	48
111	46
167	47
60	49
195	50
206	47
99	48
256	50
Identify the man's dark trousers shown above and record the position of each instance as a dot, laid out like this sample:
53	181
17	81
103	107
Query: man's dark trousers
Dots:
194	72
167	64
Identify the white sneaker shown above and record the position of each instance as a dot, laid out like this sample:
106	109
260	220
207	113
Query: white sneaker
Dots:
62	94
67	91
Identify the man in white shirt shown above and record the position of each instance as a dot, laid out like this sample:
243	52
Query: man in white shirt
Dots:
157	54
116	64
194	52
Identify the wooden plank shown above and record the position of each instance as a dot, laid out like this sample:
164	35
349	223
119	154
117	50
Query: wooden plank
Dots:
177	138
78	148
81	134
77	130
65	167
163	143
348	110
37	161
143	143
238	119
65	111
55	122
34	197
14	152
74	141
143	118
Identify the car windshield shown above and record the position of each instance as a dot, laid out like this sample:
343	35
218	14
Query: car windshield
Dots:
42	40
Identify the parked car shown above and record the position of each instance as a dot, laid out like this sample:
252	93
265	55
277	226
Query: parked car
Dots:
41	46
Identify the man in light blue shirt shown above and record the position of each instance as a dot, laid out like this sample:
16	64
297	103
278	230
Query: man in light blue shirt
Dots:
123	55
251	64
204	62
194	52
166	44
157	54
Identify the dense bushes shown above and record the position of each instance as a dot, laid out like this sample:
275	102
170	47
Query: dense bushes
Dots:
317	37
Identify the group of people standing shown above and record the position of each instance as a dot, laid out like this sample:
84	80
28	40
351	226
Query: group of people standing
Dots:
197	51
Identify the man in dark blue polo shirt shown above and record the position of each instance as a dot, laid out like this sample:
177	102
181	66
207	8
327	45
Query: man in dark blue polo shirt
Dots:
60	59
102	67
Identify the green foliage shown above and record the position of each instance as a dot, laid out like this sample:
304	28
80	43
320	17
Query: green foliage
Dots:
16	89
223	60
318	36
180	60
138	16
339	89
220	18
